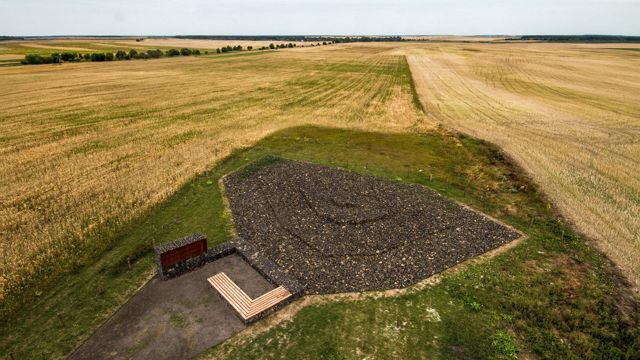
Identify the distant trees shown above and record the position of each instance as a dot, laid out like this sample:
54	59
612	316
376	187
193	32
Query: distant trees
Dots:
230	48
349	39
69	56
157	53
172	52
581	38
283	46
343	39
121	55
97	57
35	59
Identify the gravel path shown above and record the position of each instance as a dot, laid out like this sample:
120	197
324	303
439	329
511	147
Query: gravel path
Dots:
338	231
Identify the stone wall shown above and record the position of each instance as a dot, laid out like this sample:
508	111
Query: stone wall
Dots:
244	249
189	264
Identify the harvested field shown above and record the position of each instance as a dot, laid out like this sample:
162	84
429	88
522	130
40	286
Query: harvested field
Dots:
86	147
568	113
127	134
106	44
64	47
201	44
455	38
10	57
338	231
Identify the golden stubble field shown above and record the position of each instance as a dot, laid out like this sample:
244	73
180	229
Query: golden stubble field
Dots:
19	48
85	147
568	113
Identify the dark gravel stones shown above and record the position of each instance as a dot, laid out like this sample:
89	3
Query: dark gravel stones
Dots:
338	231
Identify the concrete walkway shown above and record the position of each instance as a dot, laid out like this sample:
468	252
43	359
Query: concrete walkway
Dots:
174	319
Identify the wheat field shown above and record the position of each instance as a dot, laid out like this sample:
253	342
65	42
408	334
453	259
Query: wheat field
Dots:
568	113
21	47
85	147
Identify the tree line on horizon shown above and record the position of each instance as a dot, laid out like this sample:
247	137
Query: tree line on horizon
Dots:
56	58
300	38
580	38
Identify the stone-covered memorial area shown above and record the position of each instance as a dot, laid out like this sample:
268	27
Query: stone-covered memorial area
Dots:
339	231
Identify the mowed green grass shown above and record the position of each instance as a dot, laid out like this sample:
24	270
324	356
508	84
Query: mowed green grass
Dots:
551	297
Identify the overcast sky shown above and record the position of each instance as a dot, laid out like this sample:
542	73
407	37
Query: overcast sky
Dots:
331	17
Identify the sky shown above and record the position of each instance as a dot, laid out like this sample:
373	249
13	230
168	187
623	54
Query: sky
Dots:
314	17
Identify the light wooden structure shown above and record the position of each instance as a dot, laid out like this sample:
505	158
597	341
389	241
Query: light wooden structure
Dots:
246	307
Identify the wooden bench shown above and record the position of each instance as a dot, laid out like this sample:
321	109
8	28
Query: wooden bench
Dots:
241	302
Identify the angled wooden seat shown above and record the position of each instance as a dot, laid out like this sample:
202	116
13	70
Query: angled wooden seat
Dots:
245	306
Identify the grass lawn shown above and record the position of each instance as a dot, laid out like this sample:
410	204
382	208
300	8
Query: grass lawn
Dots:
551	297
